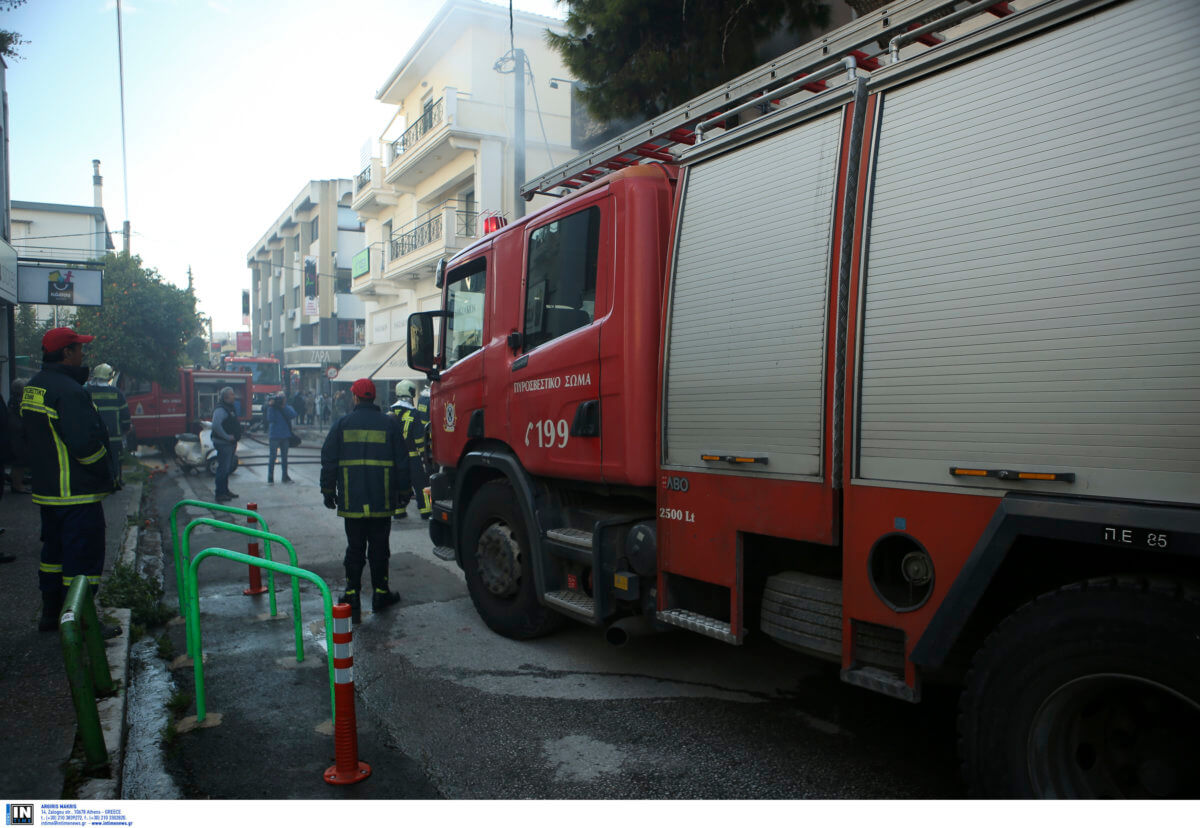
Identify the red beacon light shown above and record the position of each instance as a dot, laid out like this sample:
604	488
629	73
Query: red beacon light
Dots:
493	223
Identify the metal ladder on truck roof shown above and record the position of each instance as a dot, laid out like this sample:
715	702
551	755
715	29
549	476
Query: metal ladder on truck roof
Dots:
853	47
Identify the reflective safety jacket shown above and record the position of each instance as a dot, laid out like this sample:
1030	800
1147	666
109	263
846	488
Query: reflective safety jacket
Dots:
110	402
68	443
364	463
410	425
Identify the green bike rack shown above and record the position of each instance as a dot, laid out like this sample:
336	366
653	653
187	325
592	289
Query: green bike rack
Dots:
181	566
194	652
79	630
194	610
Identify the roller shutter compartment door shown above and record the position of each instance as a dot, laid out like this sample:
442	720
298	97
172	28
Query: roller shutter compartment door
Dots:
749	291
1032	284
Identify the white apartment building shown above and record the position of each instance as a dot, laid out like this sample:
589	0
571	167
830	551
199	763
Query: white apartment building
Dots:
301	307
446	160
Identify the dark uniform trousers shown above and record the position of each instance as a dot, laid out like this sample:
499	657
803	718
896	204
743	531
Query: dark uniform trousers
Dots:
367	541
72	547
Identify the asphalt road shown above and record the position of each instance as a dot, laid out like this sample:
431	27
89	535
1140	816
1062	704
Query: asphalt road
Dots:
448	709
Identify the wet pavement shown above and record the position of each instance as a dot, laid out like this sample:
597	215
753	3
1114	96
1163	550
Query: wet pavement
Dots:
447	708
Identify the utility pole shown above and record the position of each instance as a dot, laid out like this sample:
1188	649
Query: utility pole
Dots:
519	130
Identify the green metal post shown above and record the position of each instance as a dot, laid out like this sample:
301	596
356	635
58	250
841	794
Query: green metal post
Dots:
181	566
240	557
245	530
79	632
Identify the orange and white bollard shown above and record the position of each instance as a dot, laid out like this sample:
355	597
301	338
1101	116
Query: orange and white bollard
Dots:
256	586
347	769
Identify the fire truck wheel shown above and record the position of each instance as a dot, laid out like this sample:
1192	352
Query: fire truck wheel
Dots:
1089	692
499	574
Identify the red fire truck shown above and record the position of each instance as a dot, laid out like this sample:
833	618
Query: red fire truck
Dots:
891	353
159	414
267	377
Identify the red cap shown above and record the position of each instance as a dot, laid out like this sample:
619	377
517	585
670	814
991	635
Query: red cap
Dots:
58	338
363	389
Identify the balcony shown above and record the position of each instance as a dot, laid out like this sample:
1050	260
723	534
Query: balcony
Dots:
442	231
454	125
434	115
372	196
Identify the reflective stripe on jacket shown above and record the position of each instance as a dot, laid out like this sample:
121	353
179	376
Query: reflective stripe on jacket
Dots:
114	411
364	463
67	439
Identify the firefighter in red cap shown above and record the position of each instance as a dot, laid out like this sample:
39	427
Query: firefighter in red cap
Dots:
73	471
364	473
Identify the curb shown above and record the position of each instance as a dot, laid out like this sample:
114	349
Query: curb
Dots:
112	709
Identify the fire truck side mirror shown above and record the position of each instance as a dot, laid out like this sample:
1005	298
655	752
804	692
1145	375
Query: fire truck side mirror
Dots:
514	341
422	353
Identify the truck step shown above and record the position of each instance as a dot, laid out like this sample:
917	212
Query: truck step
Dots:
579	538
574	603
881	681
573	544
445	553
804	612
698	623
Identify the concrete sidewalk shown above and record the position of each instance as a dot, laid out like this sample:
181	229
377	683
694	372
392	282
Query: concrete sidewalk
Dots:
37	717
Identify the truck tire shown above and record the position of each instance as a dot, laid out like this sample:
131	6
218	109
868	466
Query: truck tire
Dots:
497	566
1088	692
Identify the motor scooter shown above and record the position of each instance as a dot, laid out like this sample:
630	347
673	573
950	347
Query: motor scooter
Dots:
195	452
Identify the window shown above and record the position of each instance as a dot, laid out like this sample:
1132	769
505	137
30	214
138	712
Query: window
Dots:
316	227
561	289
464	307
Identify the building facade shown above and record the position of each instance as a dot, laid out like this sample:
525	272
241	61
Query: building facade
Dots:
302	310
449	157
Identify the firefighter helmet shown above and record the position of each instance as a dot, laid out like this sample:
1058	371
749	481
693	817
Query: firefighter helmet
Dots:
103	371
406	388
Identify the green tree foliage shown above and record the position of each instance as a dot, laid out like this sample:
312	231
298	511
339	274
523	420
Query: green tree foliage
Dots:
639	58
197	351
144	324
9	41
29	333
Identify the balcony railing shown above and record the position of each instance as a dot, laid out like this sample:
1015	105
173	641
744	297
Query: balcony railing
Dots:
428	120
430	227
363	179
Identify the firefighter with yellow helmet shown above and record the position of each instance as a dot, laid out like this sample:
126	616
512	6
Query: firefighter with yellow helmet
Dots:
405	410
113	408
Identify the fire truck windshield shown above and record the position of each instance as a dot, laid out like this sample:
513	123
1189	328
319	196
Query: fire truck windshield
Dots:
263	373
464	324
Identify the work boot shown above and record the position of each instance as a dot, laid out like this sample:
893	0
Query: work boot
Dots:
287	479
355	603
51	609
382	600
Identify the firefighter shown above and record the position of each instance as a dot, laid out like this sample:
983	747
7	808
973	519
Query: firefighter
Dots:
113	408
423	422
73	471
405	411
364	471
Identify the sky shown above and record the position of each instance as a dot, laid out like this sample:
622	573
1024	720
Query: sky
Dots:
230	109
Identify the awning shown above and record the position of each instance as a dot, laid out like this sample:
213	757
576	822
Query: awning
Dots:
366	362
396	367
298	365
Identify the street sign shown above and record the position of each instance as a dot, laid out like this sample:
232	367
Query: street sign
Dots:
331	372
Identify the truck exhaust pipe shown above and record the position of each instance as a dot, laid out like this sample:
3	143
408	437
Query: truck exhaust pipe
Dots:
619	632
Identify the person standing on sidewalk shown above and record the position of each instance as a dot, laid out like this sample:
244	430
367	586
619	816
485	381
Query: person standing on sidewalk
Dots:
73	471
279	432
226	431
364	470
113	408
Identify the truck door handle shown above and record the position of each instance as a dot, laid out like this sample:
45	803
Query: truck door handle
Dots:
587	419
